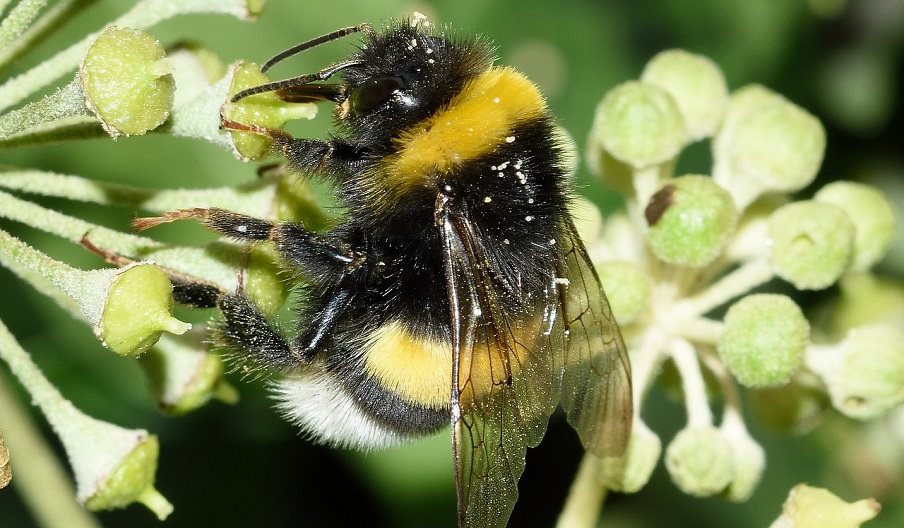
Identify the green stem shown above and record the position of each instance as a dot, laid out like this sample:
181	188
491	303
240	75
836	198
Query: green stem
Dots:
739	281
18	19
72	229
145	14
68	101
254	199
49	21
41	480
685	357
586	496
79	292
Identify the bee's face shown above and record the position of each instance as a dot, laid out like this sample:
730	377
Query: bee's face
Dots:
402	77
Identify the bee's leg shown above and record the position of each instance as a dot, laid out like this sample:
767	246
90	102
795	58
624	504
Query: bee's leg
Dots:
333	158
339	269
309	251
245	329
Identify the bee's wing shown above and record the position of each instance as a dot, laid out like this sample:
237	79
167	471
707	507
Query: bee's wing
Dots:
505	380
596	385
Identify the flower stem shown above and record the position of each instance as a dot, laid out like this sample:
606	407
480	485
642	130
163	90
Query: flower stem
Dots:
18	19
685	357
585	498
739	281
68	101
50	20
255	198
42	481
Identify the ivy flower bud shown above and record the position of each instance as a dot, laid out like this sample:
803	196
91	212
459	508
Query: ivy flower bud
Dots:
631	471
811	243
764	340
868	379
265	110
700	461
628	289
766	144
6	470
872	215
131	480
183	376
691	219
695	83
748	459
127	82
137	310
639	124
807	506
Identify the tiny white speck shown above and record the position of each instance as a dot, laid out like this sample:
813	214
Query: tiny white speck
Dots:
487	199
496	99
447	187
505	241
429	51
430	61
567	332
493	167
517	164
530	200
504	165
414	42
477	311
510	139
519	174
501	174
562	280
528	218
241	228
552	241
381	263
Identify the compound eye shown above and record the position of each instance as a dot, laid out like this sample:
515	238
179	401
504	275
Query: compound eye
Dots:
375	91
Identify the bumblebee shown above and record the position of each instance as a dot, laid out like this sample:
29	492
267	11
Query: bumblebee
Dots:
455	289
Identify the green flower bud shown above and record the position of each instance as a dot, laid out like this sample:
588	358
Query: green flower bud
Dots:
811	244
766	144
749	461
127	82
700	461
764	340
794	408
627	287
808	507
869	380
691	219
132	481
183	376
872	215
695	83
631	471
264	110
6	470
137	310
640	125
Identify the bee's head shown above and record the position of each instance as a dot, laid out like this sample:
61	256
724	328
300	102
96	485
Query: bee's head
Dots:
402	75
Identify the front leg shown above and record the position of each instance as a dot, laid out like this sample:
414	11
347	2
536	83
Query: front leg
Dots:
334	157
310	252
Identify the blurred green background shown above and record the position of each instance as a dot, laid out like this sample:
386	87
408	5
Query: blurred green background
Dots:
243	466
